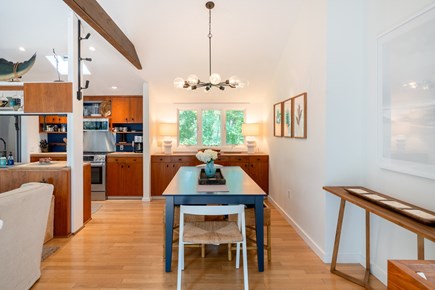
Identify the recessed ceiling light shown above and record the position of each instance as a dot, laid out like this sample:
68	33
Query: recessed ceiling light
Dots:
114	87
21	48
91	48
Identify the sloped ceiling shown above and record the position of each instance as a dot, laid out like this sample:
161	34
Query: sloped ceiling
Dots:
170	38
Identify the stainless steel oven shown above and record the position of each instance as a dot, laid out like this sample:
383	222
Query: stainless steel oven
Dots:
98	174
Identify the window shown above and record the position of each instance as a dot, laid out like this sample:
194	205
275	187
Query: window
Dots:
210	127
234	121
188	127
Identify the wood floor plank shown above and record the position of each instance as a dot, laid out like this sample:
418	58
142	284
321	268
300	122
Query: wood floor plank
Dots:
121	248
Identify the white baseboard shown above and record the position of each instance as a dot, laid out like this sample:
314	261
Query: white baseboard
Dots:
325	257
380	274
316	249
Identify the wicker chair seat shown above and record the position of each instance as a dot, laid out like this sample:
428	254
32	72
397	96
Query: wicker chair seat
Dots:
212	232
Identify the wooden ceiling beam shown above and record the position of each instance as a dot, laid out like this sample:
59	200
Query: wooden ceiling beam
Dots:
91	12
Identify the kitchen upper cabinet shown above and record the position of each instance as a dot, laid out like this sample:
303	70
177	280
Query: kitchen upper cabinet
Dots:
124	176
48	97
127	110
52	119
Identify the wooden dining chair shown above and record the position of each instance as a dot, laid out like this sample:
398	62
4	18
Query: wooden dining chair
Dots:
188	218
250	231
213	232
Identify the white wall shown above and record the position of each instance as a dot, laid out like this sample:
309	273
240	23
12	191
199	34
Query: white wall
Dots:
390	241
344	122
331	54
297	166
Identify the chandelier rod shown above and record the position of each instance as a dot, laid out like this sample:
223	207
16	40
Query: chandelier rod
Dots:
209	39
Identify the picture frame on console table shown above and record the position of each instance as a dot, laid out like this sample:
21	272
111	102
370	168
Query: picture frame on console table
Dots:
299	113
287	113
406	85
277	123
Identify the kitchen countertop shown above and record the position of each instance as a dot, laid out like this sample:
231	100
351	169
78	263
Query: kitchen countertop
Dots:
53	165
49	154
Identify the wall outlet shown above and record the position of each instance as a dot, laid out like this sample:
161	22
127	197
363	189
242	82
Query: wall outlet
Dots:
121	147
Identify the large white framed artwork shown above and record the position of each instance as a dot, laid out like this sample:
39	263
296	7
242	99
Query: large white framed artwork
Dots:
406	96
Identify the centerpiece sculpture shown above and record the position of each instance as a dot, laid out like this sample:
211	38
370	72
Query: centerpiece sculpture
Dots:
208	157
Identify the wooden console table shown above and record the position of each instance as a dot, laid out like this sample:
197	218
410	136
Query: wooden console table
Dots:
423	231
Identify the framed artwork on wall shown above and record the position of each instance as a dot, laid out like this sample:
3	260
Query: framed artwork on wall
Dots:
299	112
287	118
277	123
406	88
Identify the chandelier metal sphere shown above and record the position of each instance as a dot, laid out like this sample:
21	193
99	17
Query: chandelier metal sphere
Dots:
193	82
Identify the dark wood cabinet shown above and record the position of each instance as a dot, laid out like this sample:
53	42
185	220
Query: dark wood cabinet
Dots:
127	109
259	171
124	176
164	168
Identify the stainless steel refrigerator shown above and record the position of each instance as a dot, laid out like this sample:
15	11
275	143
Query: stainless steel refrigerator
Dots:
10	135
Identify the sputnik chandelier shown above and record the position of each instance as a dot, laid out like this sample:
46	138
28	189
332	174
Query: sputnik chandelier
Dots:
193	82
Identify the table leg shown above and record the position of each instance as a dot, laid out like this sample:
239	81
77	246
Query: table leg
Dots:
420	247
337	235
259	228
169	220
364	282
367	273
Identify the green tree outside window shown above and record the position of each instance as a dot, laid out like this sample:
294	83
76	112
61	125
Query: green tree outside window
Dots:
234	121
188	127
211	127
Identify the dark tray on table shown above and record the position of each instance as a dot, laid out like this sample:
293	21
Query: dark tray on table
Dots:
217	179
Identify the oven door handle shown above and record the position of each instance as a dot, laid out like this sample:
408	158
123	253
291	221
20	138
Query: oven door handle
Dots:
97	164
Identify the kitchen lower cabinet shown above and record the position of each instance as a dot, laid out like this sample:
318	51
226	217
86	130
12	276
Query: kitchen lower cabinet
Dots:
124	176
165	166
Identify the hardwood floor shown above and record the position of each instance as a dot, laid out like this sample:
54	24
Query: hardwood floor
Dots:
121	248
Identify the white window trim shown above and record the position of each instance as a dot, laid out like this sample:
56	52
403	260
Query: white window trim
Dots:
199	108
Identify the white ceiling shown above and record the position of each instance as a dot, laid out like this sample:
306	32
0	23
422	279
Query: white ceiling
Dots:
170	37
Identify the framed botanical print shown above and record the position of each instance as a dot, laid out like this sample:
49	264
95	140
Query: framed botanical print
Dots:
287	118
299	121
277	123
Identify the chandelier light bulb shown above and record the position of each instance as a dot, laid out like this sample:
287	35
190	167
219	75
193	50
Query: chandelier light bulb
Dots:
234	80
215	79
192	80
241	84
179	83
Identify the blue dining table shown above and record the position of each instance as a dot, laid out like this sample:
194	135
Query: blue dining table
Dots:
241	190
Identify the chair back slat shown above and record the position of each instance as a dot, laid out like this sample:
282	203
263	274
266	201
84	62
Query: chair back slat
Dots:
212	209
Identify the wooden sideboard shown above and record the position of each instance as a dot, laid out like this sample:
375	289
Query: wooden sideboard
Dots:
165	166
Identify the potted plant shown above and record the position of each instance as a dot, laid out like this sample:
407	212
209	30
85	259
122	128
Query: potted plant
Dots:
43	144
208	157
